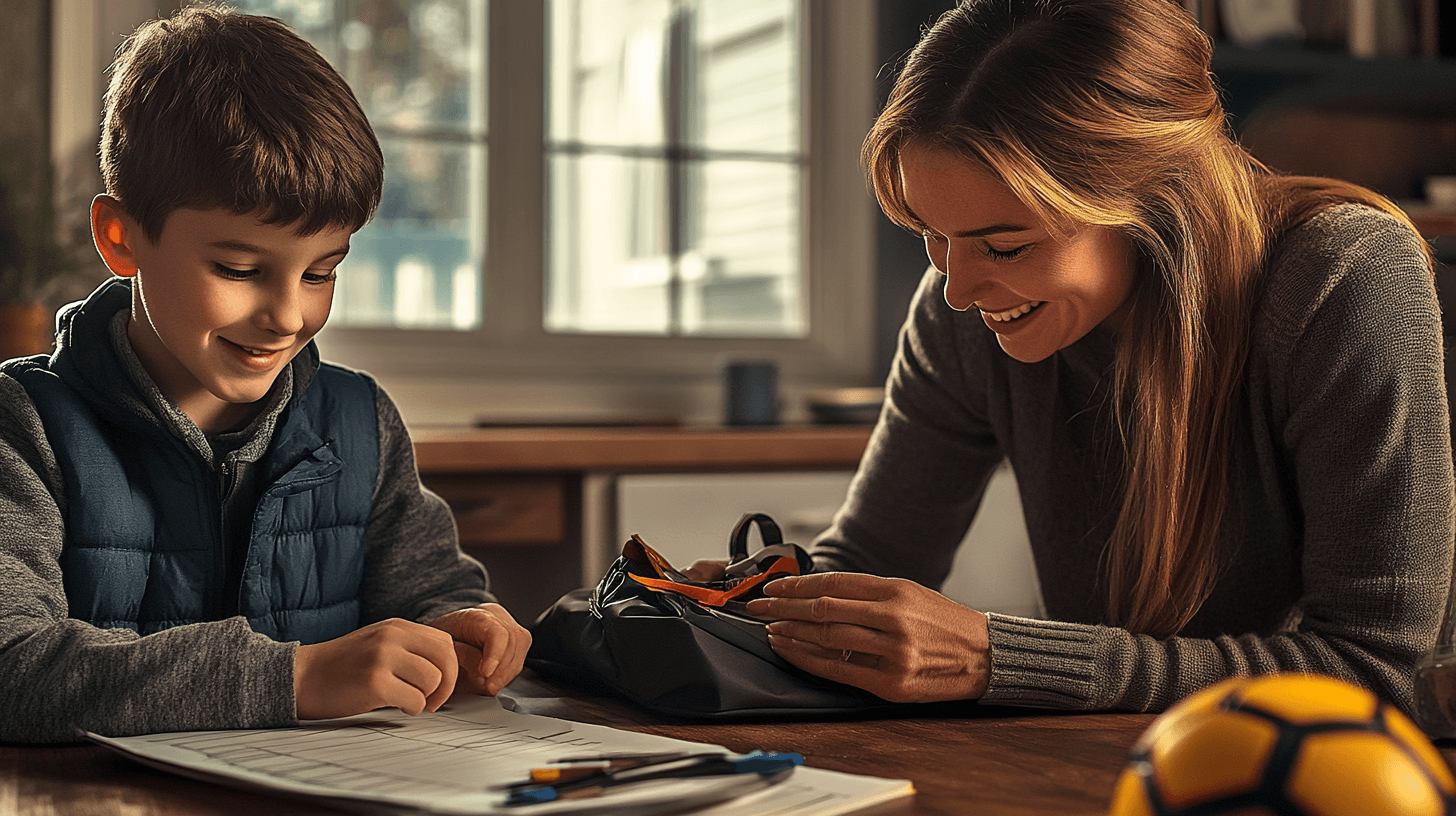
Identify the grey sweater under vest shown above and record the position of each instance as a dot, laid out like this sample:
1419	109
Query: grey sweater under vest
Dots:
59	676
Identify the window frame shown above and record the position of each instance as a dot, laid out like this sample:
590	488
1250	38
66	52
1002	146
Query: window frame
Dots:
511	369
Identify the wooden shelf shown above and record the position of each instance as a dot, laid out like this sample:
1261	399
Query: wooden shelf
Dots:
1431	222
616	449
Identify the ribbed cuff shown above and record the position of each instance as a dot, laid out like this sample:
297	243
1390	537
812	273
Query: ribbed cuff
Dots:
265	687
1045	664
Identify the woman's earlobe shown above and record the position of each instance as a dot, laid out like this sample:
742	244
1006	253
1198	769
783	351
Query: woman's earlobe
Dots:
112	235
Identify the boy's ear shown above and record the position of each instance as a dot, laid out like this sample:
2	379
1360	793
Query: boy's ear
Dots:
115	234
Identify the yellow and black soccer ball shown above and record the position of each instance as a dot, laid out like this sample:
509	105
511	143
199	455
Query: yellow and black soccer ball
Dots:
1284	745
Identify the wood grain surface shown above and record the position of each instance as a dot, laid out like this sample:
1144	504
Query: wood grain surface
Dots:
962	758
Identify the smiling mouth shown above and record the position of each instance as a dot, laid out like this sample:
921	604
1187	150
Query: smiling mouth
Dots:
258	352
1014	313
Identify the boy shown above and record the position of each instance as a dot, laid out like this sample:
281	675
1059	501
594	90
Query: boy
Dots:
197	516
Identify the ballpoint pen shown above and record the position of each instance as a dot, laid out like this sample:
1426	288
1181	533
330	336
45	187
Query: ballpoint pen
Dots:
757	762
628	755
571	768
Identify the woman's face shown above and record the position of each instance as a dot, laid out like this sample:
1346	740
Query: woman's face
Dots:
1036	291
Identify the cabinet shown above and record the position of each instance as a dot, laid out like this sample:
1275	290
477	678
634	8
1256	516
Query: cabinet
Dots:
521	526
547	509
538	506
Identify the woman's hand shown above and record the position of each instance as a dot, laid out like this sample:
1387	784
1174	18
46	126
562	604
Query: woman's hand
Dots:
889	636
394	662
490	645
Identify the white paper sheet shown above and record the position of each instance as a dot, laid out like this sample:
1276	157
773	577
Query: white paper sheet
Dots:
446	762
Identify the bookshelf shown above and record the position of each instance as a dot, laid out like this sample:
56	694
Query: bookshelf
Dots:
1363	90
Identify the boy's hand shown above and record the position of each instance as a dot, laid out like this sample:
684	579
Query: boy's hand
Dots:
394	662
489	644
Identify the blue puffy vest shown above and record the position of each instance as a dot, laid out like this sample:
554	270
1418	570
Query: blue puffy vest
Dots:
143	511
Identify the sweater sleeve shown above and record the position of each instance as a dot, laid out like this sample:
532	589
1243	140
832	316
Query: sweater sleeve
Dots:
60	676
1348	380
414	567
928	461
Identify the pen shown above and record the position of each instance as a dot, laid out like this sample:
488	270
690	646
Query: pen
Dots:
713	765
628	756
577	768
572	768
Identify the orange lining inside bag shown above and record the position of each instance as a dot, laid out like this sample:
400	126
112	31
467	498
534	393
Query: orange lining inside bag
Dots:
706	596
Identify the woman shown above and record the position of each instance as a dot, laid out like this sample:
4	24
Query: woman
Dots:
1220	388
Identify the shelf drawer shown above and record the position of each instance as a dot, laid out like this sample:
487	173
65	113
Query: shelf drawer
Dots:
503	510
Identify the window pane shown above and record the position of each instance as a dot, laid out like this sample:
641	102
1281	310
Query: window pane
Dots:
611	271
741	270
411	266
414	64
418	69
738	272
609	71
748	64
675	167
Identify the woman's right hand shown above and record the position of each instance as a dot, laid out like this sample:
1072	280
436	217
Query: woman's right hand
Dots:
894	638
395	662
706	569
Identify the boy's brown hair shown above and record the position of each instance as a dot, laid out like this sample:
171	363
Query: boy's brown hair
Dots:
212	108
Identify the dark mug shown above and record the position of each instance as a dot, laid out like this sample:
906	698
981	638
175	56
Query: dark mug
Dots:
750	392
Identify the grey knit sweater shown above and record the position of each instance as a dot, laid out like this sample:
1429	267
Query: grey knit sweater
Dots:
1339	534
59	676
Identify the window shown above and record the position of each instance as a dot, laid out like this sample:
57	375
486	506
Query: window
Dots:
591	203
418	69
676	165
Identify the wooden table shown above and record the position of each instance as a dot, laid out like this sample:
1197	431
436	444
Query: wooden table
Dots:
538	505
961	759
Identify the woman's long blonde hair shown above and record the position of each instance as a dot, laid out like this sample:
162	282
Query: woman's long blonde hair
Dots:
1103	112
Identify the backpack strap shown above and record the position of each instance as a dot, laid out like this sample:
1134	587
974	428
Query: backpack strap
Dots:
741	565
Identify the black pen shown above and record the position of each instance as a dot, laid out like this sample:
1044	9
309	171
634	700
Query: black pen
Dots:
625	756
712	765
574	768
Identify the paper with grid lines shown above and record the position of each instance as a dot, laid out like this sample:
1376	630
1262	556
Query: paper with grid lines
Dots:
446	762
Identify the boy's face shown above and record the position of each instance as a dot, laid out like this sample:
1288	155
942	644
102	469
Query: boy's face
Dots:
222	303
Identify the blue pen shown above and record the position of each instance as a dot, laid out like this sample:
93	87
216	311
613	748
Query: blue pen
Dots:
757	762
